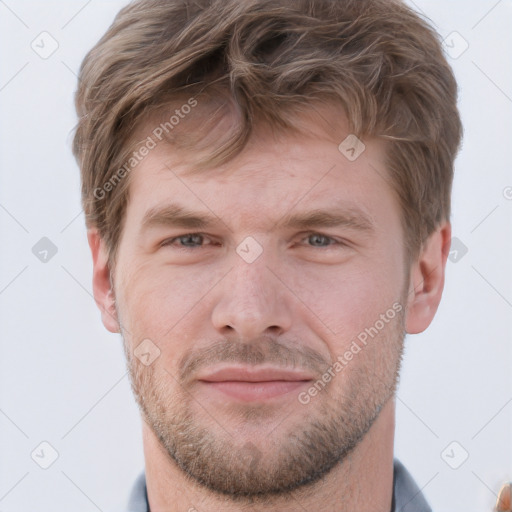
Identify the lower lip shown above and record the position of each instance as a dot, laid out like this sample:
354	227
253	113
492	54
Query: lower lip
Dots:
244	390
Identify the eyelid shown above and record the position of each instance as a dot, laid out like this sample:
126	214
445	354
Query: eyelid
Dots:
172	239
334	240
304	236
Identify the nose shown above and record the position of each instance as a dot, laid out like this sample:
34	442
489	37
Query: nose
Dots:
252	301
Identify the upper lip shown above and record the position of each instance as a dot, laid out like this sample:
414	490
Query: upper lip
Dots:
251	374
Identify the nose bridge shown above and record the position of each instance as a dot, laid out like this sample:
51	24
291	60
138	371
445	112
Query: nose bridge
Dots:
252	300
251	283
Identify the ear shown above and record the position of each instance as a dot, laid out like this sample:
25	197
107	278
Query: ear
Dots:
101	284
427	280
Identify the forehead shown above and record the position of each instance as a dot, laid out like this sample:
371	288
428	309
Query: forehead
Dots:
275	173
264	186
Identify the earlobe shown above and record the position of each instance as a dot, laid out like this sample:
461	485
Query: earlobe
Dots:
427	280
101	281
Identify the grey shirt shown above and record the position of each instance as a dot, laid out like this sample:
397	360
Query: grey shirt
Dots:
407	497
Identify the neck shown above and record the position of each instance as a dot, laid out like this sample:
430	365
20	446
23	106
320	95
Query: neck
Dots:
363	481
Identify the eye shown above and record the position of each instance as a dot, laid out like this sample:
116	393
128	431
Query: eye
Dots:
196	240
187	241
319	240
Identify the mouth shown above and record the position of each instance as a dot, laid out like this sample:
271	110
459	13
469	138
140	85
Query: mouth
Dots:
253	384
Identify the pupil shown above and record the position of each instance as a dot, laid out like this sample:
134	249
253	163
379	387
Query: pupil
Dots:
191	239
317	239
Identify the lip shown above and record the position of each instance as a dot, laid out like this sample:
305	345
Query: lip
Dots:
251	374
254	384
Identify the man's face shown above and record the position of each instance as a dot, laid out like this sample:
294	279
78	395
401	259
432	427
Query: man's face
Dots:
302	253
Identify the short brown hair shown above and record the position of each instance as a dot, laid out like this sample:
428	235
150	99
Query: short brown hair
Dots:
258	61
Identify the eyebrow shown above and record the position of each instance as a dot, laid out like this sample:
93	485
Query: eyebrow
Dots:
174	215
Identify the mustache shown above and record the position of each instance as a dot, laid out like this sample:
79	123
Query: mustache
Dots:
264	350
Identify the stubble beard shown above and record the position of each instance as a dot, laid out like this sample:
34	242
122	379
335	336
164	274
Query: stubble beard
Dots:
297	453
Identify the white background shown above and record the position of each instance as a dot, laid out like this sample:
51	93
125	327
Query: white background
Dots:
62	375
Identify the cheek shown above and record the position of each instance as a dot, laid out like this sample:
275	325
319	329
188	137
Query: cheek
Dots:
341	302
155	301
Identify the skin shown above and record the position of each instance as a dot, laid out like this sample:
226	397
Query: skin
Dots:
304	299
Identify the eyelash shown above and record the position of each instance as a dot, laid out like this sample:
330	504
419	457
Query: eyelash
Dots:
170	241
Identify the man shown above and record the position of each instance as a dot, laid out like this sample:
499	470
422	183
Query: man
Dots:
267	194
